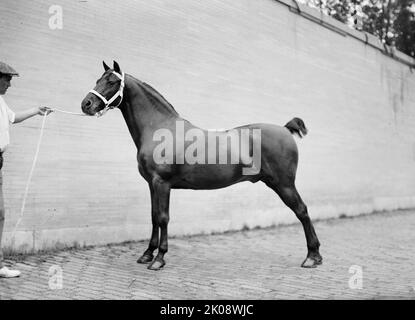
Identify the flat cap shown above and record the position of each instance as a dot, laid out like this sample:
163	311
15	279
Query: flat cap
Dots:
6	69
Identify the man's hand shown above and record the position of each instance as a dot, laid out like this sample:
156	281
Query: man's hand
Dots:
44	110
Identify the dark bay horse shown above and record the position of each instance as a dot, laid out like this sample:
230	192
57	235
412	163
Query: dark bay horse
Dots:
146	112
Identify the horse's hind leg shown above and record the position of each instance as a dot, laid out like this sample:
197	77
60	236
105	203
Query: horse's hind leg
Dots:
292	199
154	241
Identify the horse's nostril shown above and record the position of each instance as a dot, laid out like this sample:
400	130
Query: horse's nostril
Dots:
88	103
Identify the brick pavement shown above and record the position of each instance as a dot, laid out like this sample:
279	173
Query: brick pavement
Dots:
254	264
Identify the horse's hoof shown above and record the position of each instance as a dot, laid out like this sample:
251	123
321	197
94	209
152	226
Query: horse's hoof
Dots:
145	258
312	262
156	265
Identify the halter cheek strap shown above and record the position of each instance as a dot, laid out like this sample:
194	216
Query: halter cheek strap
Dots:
119	93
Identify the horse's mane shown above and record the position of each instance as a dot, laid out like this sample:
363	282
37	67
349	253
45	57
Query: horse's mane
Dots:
156	99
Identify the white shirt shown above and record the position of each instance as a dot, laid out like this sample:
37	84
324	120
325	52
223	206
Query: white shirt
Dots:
7	116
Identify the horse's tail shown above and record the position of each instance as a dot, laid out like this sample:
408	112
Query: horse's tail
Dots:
297	126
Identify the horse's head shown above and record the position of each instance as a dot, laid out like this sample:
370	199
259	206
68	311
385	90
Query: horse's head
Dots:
108	92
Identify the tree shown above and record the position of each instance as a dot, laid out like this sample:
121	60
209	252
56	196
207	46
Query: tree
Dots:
404	26
340	10
379	17
393	21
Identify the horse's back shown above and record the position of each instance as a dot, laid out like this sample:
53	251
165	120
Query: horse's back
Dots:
279	152
273	136
278	146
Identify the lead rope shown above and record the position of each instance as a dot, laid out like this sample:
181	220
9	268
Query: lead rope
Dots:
34	165
68	112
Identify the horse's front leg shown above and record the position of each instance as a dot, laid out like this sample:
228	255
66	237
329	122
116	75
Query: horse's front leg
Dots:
154	241
162	200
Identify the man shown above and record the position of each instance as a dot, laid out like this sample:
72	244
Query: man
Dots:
7	116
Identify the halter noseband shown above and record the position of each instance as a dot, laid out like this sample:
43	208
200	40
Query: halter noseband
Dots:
107	103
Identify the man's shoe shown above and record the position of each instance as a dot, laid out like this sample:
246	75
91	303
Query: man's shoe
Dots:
7	273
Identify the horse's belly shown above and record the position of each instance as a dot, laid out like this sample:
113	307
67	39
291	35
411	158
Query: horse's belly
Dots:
209	176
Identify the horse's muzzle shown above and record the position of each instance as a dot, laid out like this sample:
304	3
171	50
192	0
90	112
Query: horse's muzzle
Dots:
86	106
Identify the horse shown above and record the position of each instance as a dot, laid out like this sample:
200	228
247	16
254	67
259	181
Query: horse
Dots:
146	112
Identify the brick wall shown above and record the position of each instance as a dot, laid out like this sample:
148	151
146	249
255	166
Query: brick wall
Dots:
221	64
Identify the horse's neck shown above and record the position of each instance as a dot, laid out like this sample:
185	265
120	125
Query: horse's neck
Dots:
139	114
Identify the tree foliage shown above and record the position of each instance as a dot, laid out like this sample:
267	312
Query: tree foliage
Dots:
393	21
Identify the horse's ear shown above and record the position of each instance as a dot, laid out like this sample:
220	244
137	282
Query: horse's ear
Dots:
105	66
117	67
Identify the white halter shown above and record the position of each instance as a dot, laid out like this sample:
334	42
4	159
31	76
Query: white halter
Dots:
107	103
